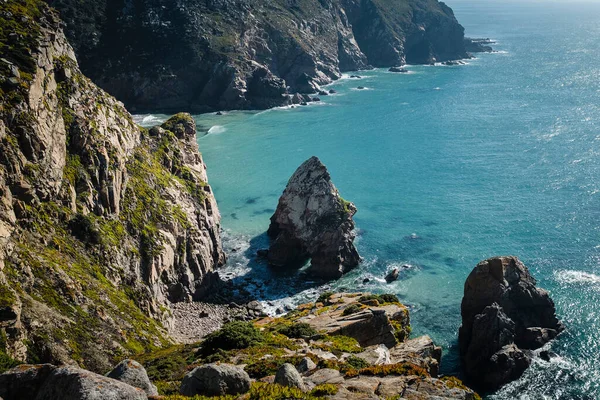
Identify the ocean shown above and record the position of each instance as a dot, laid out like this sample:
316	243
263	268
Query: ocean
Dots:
447	166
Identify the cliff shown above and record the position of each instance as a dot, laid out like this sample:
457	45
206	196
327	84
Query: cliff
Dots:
206	55
102	223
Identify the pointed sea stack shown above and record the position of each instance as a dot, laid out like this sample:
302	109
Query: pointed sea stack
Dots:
313	221
504	317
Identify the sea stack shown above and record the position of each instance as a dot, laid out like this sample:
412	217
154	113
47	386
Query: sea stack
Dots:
504	317
313	221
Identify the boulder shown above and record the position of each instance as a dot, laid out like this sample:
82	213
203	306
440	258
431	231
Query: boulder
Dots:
306	365
398	69
503	312
361	88
332	91
47	382
133	373
392	275
288	375
313	221
215	380
420	351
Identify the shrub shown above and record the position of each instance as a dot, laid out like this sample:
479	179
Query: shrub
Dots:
269	366
324	297
325	389
357	362
381	298
233	335
352	309
297	331
402	369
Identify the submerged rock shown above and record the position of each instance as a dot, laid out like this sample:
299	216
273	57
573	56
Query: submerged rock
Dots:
313	221
398	69
503	312
392	275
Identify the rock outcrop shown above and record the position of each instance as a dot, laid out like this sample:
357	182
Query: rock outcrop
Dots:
312	221
233	54
102	223
504	315
315	360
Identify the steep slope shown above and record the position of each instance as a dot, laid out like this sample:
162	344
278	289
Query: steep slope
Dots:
102	223
204	55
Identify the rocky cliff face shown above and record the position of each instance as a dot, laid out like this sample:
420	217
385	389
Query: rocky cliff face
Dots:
205	55
102	223
312	221
504	315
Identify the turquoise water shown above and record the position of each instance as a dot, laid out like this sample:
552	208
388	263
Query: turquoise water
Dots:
447	166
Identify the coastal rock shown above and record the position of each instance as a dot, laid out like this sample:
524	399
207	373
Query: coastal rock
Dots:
288	375
47	382
503	312
239	54
134	374
419	351
392	275
370	326
215	380
312	221
398	70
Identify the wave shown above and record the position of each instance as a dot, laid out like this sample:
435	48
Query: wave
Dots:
147	120
571	277
217	129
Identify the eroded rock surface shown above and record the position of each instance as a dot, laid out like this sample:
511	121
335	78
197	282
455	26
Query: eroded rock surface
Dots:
503	315
312	221
102	223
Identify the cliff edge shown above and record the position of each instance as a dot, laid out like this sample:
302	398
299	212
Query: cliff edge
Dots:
102	223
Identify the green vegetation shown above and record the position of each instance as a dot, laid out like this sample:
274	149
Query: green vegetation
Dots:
233	335
324	297
382	299
6	362
352	309
298	330
339	344
402	369
264	391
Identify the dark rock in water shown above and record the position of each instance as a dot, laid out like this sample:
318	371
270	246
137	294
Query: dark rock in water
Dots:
392	275
219	113
316	99
356	76
478	45
297	99
262	252
454	62
323	93
63	383
503	312
398	69
313	221
215	380
304	103
361	88
133	373
332	91
288	375
366	280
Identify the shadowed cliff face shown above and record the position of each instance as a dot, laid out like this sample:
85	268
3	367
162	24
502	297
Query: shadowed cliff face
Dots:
204	55
102	223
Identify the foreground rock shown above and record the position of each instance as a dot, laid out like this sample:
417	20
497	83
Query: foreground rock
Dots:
504	314
313	221
215	380
288	375
134	374
47	382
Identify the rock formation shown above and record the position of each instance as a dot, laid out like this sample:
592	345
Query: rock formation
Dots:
233	54
313	221
504	315
215	380
102	223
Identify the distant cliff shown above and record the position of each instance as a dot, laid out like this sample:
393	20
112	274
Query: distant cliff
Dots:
206	55
102	223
